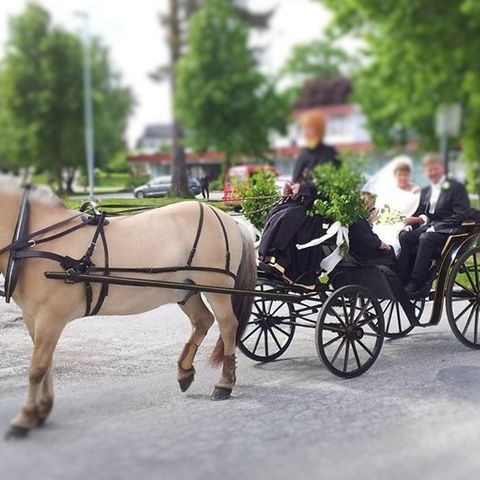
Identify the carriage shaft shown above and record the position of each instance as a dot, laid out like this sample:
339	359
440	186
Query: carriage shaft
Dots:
143	282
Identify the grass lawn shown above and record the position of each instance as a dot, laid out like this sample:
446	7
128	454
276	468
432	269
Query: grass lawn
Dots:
136	202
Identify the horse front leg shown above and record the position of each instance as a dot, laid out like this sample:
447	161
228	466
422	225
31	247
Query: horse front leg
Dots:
39	399
201	319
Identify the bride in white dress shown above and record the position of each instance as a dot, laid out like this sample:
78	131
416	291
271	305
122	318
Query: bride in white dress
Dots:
397	198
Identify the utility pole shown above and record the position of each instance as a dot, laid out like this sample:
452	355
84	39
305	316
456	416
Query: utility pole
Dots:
88	106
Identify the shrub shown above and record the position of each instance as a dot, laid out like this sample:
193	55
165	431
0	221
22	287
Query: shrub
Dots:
257	196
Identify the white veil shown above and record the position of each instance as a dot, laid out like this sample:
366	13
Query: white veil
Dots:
384	185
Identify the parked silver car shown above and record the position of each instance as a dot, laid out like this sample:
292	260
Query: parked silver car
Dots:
160	186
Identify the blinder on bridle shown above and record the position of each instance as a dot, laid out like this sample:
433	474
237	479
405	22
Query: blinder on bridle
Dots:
20	233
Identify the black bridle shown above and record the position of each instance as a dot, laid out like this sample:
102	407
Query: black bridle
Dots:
19	248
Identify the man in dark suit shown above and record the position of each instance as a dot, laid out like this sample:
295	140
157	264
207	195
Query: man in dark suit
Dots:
442	208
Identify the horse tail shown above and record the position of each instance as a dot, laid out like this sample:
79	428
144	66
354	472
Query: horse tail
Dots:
242	304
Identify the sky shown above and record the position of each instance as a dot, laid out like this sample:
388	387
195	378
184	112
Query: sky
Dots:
137	41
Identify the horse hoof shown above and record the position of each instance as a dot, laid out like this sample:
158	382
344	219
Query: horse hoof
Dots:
16	433
221	393
186	382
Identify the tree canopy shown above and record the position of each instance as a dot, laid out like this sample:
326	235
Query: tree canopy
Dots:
222	100
41	99
420	54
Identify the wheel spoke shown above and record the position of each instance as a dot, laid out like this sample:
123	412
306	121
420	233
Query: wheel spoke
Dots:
277	309
257	342
276	327
475	330
474	288
338	351
344	306
274	338
476	270
266	342
333	328
371	334
368	321
390	317
399	317
355	353
345	362
365	347
251	333
464	331
333	340
353	308
337	316
463	287
389	302
362	311
457	318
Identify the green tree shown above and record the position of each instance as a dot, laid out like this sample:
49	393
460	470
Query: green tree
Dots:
419	55
176	22
318	58
223	102
41	100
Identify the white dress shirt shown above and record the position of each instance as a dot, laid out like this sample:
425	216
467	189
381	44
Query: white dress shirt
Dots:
435	191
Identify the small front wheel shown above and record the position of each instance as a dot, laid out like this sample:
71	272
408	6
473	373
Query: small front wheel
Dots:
271	327
350	331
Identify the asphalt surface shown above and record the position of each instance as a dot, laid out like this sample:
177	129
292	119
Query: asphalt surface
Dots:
119	413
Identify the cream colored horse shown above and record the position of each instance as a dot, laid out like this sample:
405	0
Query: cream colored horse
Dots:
156	238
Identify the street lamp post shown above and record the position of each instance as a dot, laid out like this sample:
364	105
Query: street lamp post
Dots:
448	124
88	106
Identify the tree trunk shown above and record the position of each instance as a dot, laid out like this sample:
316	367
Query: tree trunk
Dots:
178	167
70	179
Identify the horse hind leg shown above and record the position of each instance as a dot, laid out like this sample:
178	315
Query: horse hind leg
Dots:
224	352
201	319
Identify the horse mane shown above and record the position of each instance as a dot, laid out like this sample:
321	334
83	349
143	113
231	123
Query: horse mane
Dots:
40	194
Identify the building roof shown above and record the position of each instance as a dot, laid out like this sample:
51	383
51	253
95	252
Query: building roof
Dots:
158	130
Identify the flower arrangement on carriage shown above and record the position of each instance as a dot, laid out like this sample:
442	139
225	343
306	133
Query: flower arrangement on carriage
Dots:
328	206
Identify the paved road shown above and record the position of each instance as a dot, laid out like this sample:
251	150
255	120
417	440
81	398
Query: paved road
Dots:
120	415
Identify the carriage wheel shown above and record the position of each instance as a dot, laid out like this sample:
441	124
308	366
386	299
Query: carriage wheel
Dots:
463	298
397	324
350	331
271	327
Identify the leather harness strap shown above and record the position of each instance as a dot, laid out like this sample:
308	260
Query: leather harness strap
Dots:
197	236
227	245
74	267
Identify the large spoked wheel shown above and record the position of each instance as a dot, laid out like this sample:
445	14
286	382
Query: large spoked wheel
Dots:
350	331
463	298
397	324
271	328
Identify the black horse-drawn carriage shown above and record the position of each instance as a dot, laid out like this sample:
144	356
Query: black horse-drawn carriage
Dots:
363	303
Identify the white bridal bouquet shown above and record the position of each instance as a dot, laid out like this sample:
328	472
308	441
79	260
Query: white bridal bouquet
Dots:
389	216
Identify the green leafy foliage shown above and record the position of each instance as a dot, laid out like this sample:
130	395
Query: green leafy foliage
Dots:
257	195
221	99
339	196
41	99
419	54
318	58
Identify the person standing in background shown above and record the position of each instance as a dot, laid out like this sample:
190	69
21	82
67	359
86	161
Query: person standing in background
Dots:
205	185
314	154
